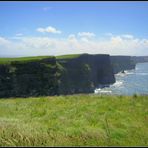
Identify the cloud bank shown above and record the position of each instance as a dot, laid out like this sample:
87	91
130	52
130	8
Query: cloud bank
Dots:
73	44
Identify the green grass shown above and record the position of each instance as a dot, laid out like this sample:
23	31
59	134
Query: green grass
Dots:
76	120
69	56
35	58
9	60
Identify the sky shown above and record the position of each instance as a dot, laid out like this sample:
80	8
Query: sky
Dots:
58	28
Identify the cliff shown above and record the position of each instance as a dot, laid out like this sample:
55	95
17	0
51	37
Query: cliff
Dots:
120	63
140	59
83	73
69	74
42	76
31	77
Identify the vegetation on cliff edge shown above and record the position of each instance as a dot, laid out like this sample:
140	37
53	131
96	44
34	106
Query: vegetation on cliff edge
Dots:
69	56
29	59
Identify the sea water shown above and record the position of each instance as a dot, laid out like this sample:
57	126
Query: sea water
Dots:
131	82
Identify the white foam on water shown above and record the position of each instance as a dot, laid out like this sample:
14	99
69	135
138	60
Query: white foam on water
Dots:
100	91
118	83
97	90
105	91
129	72
126	72
120	74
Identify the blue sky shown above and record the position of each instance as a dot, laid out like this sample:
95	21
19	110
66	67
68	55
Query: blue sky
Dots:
70	25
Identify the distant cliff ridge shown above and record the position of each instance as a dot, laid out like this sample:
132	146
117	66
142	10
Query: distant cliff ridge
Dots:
140	59
120	63
68	74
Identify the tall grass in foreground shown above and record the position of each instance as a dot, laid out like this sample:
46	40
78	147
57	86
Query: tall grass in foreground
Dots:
76	120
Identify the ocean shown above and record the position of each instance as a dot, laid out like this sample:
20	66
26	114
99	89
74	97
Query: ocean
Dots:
129	83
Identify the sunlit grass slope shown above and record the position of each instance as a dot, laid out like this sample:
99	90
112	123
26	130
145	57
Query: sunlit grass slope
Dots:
76	120
9	60
69	56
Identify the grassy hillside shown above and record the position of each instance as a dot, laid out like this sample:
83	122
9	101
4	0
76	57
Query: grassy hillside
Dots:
78	120
69	56
9	60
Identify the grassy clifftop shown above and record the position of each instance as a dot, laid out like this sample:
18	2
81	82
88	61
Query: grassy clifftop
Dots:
69	56
77	120
35	58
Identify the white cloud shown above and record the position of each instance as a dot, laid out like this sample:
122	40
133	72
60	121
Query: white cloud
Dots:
84	39
49	29
115	45
71	37
4	41
86	34
41	30
128	36
5	44
116	40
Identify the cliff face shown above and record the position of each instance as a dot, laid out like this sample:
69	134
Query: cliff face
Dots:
50	76
31	78
140	59
6	81
85	73
120	63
